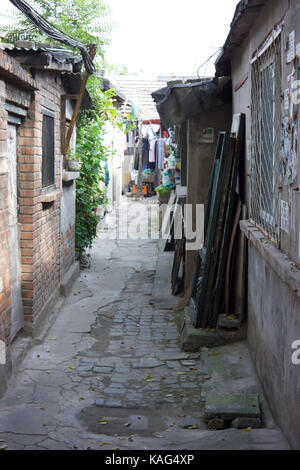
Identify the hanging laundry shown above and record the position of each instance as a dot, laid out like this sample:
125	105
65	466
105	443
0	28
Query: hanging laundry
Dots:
155	128
160	154
146	149
152	151
151	134
107	176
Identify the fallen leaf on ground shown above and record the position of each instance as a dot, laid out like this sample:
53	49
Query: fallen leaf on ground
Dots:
103	421
72	368
81	399
195	426
104	444
127	425
43	409
247	430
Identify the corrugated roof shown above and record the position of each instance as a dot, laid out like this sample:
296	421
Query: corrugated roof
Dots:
31	55
138	90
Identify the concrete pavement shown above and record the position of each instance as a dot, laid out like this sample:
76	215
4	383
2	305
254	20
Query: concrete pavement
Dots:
110	374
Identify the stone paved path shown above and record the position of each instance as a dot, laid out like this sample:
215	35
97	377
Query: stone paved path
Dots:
110	374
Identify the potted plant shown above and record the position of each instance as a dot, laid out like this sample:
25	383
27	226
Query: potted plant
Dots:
72	163
164	193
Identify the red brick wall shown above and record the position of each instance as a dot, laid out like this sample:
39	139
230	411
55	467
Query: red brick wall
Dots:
40	232
5	294
46	254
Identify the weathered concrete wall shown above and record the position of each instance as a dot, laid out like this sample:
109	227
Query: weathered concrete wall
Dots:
5	272
273	305
68	209
200	159
67	226
274	324
241	68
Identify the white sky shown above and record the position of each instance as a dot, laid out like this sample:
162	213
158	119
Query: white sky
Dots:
168	36
164	37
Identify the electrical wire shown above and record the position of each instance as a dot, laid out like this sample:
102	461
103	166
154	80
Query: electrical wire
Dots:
207	61
53	33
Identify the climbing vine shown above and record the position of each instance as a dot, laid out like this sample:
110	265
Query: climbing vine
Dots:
91	151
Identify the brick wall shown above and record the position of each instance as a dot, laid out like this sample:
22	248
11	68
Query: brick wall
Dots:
40	231
46	254
5	293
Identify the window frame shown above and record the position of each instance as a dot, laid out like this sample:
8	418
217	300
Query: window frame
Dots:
48	185
268	223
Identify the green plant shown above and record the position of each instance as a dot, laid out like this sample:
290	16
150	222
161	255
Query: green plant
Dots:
164	191
83	20
89	195
71	155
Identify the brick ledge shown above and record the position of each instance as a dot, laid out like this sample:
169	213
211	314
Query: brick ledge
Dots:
50	197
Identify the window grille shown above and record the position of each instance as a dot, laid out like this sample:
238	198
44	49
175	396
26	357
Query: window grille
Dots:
48	161
266	141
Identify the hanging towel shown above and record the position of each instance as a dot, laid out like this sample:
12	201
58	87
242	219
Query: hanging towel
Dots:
160	154
152	152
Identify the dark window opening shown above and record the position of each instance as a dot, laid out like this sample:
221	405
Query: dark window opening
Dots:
48	161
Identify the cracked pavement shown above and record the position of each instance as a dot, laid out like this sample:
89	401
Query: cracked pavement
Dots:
110	374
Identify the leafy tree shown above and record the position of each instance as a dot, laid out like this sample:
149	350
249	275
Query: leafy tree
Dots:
83	20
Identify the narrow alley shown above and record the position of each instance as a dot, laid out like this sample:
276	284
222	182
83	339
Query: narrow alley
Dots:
108	372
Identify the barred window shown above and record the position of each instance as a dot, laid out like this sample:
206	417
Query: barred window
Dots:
48	155
266	140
